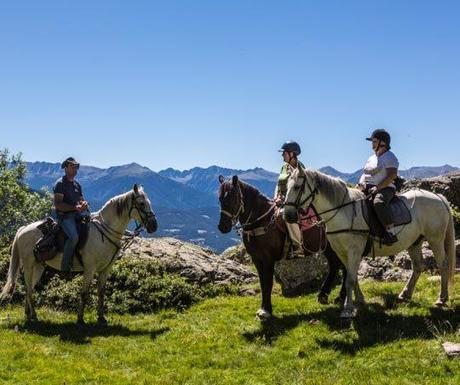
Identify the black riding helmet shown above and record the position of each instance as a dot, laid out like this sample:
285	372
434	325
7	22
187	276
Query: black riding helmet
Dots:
291	146
68	161
382	135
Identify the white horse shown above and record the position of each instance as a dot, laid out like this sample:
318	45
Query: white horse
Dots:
346	227
107	228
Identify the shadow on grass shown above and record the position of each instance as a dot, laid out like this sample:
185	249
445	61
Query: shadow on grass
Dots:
373	326
71	332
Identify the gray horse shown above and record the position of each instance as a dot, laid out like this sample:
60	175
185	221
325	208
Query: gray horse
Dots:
106	231
431	219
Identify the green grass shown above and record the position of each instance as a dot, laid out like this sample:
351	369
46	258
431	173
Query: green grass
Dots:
218	341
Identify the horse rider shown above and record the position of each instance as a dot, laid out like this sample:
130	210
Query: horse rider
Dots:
290	151
378	178
70	206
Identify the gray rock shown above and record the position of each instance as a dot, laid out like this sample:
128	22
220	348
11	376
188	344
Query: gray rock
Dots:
451	349
399	268
194	263
300	275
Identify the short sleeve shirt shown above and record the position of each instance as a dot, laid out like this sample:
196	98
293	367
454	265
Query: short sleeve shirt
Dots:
70	189
375	169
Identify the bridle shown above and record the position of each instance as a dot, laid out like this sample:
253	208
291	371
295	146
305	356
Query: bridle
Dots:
299	203
144	215
234	217
121	241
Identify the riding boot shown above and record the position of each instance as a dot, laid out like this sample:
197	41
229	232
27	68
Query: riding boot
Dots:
389	238
296	252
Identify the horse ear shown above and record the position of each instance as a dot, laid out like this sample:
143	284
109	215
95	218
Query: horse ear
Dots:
136	189
235	180
221	179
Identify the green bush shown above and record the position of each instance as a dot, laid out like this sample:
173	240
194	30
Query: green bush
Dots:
135	285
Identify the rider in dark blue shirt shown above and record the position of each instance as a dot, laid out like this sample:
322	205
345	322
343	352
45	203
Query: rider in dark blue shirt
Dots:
70	206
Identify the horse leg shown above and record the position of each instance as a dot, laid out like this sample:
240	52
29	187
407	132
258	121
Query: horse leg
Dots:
87	278
32	273
265	271
443	265
353	261
101	281
359	295
334	265
415	252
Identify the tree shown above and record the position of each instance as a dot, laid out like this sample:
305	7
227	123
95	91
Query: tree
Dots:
19	205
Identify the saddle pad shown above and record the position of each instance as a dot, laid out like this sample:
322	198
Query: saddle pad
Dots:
399	211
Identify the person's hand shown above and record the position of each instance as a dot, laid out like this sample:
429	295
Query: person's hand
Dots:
373	190
278	201
84	205
79	207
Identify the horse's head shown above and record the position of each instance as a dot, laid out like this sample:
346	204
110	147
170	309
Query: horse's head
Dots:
299	194
231	203
141	209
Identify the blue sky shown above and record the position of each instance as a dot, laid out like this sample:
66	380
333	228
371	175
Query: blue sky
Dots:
195	83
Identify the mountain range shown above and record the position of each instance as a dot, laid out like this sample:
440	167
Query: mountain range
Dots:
186	201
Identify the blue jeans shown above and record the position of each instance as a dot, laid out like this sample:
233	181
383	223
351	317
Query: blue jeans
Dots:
69	225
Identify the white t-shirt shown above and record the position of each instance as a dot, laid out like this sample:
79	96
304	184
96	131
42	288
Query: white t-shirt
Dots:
374	171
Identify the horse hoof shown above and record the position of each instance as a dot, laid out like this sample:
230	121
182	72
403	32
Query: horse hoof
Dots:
263	315
348	313
323	298
101	321
440	303
402	298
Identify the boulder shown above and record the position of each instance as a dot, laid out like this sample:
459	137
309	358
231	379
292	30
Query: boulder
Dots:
399	268
194	263
301	275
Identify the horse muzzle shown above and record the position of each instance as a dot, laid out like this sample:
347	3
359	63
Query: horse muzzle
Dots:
151	225
290	214
224	228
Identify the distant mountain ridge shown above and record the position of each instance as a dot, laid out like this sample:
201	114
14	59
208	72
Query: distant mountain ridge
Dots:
185	201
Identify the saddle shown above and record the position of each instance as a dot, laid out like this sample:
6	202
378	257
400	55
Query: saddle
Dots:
399	212
313	237
53	239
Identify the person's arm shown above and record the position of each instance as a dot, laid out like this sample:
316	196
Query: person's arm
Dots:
392	173
60	205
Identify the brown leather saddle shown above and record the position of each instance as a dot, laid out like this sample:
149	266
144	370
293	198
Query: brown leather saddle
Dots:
399	211
313	236
53	239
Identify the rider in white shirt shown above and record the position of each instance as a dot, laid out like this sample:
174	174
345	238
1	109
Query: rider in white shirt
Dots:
378	178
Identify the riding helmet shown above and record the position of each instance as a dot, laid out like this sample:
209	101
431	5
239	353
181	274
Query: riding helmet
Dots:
291	146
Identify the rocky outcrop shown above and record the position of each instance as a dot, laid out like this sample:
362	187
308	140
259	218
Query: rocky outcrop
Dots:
300	275
399	268
447	185
194	263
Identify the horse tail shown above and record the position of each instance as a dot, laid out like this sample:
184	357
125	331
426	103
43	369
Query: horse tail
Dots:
13	271
449	246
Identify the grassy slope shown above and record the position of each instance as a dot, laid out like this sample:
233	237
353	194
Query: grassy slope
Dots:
220	342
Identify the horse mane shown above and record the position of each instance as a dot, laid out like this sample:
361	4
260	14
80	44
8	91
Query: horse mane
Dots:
333	188
121	202
247	189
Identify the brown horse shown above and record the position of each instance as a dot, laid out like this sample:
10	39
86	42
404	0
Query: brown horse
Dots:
264	239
